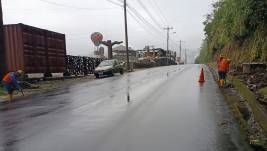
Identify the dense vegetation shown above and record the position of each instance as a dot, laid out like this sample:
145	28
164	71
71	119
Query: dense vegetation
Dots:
237	29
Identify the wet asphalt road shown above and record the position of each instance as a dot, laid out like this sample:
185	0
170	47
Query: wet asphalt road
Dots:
168	111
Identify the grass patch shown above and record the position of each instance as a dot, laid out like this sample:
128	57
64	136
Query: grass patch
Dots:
2	92
213	65
257	110
263	91
232	101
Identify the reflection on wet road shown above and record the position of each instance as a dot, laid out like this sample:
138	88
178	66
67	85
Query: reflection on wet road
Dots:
160	109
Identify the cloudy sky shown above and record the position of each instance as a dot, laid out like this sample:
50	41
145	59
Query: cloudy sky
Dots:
147	18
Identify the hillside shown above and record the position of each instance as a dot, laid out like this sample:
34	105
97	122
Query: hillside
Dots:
236	29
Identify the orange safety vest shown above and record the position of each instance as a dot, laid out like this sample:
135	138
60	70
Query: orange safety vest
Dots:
7	78
218	63
224	65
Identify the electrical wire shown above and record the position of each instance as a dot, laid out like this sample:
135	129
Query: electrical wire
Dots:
115	3
147	26
152	34
160	11
149	14
133	12
74	7
157	11
140	17
137	20
143	19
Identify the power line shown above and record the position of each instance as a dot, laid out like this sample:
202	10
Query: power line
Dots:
147	29
73	7
133	12
115	3
136	17
137	14
149	14
164	19
156	10
143	19
139	20
160	10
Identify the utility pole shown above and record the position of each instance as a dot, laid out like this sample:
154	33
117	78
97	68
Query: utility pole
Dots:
180	53
126	35
185	56
168	35
3	67
168	39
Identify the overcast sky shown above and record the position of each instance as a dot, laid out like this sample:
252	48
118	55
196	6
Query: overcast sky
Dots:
79	18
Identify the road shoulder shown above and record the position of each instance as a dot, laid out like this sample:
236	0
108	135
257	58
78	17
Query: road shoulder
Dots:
47	86
246	110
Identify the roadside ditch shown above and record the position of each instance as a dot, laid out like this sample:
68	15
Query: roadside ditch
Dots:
246	97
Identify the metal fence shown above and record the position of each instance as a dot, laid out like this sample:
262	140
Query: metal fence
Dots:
78	65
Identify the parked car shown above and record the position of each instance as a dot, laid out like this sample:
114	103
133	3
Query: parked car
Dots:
108	68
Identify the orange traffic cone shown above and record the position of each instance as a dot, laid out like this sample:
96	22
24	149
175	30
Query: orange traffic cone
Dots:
201	77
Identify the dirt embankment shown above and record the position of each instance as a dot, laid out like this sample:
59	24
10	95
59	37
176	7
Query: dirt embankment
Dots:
257	83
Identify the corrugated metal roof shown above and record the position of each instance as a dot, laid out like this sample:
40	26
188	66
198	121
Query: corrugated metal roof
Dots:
121	48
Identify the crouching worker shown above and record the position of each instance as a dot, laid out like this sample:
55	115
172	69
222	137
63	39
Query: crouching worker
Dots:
10	83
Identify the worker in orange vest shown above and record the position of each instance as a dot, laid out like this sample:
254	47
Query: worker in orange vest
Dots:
223	68
218	67
10	83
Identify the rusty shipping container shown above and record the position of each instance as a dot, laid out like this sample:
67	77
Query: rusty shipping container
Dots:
34	50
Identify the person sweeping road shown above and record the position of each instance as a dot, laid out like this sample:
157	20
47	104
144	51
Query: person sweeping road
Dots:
10	83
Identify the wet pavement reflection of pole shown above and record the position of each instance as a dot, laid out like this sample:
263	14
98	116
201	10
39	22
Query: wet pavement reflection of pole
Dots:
128	83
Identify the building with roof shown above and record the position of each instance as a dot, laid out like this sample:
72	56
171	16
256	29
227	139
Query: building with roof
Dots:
120	54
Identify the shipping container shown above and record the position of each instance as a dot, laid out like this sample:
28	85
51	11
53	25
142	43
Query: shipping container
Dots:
34	50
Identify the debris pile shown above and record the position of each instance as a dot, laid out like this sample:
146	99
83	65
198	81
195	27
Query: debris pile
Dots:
254	81
254	75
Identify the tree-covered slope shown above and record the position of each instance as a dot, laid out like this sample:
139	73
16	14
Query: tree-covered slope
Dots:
238	30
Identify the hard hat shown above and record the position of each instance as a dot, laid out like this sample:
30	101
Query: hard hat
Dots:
21	72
